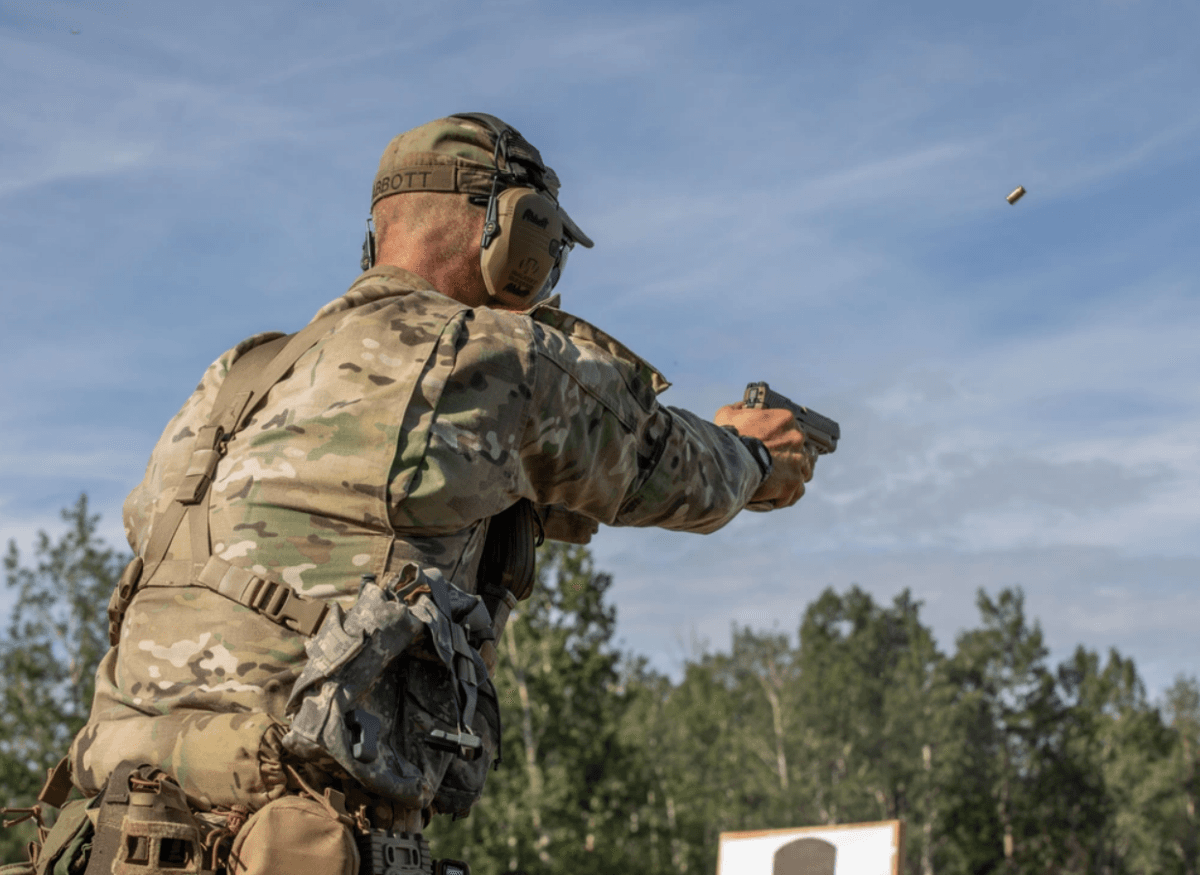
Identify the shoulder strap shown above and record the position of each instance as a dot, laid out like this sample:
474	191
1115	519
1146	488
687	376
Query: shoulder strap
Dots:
246	385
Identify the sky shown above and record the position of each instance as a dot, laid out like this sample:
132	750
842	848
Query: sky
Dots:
808	194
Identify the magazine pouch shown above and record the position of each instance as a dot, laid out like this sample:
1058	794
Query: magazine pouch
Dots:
159	833
394	692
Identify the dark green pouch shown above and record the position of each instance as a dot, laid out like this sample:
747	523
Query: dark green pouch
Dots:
65	850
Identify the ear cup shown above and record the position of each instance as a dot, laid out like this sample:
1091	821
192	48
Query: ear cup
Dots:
519	259
368	252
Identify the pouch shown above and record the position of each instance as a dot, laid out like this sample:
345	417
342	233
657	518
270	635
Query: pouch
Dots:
67	844
159	833
295	835
394	692
426	707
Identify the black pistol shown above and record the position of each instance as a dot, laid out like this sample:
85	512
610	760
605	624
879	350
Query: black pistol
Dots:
821	431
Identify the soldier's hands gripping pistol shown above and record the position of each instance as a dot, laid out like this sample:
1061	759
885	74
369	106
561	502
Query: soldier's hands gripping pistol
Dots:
793	435
822	433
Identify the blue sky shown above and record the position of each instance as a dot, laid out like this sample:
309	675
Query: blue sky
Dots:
811	194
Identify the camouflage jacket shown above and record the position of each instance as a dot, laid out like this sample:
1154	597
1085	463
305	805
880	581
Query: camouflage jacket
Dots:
394	438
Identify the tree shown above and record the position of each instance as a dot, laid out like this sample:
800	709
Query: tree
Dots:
869	700
56	635
1130	748
770	735
1175	788
1024	791
712	744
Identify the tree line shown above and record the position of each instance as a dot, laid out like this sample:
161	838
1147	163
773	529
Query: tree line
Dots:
996	760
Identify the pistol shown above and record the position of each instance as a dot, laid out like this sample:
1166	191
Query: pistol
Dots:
821	431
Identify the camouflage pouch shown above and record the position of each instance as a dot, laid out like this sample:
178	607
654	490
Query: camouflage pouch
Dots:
429	731
463	777
296	835
394	693
63	848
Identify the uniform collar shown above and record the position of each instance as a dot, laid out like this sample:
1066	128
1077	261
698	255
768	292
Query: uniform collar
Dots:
382	281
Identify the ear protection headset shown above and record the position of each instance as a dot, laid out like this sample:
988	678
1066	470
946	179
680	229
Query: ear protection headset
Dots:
525	240
524	247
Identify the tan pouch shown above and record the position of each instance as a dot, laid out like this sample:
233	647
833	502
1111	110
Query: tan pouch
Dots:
159	833
295	835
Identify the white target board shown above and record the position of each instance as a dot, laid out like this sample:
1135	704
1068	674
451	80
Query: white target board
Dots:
844	849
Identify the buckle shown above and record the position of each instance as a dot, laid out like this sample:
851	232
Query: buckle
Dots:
268	598
278	603
466	744
122	596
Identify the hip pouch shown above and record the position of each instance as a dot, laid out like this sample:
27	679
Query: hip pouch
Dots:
396	696
63	848
60	849
296	835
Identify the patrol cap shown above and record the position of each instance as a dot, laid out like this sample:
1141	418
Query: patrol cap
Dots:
455	155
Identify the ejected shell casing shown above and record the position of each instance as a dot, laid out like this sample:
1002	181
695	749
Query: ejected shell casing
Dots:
1017	194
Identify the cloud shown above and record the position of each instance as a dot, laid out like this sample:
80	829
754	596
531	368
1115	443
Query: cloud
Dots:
82	117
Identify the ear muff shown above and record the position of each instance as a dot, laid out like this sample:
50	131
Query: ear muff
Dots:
525	247
368	253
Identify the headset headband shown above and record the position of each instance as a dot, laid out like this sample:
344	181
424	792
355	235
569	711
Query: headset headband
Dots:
523	165
511	146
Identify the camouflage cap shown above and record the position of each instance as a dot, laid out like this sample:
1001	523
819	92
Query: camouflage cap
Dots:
456	155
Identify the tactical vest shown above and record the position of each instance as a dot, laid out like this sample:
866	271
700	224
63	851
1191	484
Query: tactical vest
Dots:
298	511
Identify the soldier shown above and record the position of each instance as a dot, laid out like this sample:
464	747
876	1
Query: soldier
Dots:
378	478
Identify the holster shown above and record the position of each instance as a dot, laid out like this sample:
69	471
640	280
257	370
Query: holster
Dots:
386	852
508	564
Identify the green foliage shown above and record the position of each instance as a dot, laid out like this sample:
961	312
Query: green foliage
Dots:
866	678
55	637
1018	745
996	761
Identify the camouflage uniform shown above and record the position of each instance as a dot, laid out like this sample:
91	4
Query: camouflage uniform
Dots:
393	439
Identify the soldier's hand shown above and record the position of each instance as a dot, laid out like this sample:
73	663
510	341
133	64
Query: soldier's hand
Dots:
560	524
792	464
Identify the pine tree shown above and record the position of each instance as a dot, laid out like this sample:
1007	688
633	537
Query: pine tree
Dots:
867	677
1023	792
56	635
1175	788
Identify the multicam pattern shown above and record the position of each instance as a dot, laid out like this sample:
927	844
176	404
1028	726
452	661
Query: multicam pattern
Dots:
393	439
